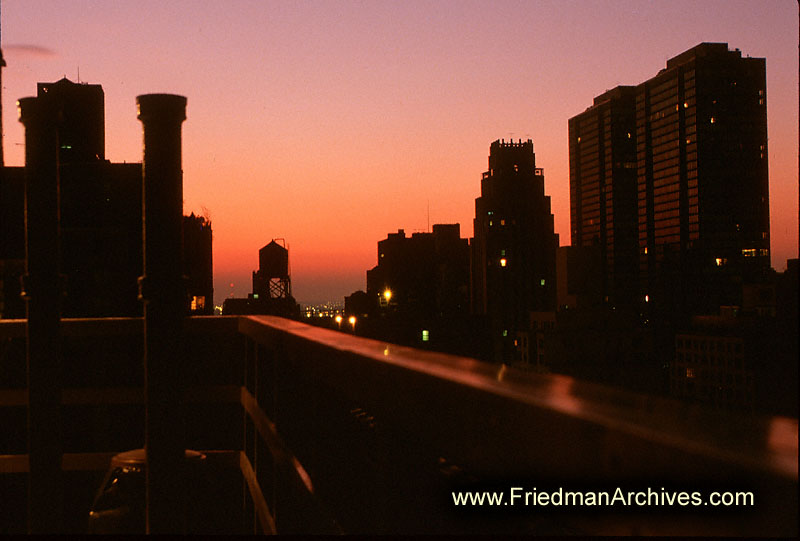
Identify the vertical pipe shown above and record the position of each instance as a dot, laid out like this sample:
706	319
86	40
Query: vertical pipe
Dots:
163	291
42	293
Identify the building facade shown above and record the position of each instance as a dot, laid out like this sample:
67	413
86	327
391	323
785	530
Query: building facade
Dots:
670	179
702	179
514	248
603	194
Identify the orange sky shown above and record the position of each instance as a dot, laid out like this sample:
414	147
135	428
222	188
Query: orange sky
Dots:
331	123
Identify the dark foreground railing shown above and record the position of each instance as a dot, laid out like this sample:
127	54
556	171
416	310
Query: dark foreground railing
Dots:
313	431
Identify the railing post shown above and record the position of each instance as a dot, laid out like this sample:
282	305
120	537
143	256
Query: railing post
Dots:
162	289
42	291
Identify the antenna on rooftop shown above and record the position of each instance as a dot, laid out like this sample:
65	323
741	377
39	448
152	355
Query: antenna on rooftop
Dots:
429	215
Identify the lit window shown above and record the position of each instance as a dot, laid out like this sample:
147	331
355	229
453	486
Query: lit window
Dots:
720	261
749	252
505	333
502	222
647	298
503	262
686	105
579	139
503	252
541	282
645	249
198	302
629	135
491	212
712	120
255	295
763	252
490	223
689	372
426	335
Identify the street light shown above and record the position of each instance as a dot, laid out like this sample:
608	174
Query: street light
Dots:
385	297
338	319
352	321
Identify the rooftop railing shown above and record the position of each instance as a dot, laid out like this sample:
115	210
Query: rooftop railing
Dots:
309	430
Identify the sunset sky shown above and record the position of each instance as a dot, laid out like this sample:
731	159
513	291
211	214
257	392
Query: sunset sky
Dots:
332	123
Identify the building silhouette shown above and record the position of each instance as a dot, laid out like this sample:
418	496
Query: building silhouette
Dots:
198	264
514	248
681	159
702	179
12	241
418	292
603	194
81	131
426	274
100	219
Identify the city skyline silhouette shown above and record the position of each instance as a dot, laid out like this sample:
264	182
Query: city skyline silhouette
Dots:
631	337
313	130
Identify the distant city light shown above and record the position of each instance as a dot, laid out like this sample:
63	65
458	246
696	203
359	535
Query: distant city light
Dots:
387	294
503	262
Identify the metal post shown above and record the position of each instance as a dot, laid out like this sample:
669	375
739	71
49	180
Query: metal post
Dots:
43	294
162	289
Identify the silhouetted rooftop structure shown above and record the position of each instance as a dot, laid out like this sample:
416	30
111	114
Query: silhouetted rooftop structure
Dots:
514	249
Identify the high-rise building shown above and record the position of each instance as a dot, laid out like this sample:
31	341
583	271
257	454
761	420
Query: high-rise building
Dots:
702	179
670	179
602	159
514	249
81	132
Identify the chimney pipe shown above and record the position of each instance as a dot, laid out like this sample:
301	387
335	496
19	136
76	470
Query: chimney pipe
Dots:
42	291
162	288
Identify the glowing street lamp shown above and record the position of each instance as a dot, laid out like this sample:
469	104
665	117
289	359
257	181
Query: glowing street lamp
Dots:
338	319
352	321
385	297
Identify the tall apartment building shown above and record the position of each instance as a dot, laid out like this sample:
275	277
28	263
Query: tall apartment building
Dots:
514	249
602	158
689	146
702	179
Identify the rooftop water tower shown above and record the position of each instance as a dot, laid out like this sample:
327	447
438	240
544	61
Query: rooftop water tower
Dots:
271	280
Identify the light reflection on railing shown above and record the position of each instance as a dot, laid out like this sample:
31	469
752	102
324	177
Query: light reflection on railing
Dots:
475	414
